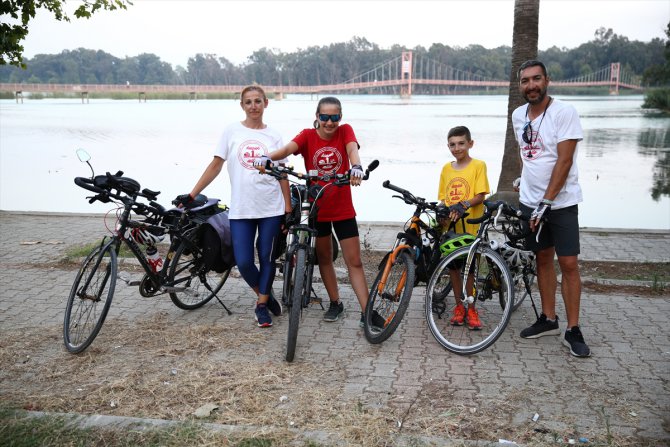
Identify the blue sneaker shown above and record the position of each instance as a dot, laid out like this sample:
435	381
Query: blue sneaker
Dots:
274	306
262	316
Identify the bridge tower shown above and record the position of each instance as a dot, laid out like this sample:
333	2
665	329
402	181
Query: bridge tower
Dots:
406	74
615	68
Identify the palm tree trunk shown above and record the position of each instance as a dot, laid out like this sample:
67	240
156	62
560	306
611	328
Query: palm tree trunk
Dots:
524	47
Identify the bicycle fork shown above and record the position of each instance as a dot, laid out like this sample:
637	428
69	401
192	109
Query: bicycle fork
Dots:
387	269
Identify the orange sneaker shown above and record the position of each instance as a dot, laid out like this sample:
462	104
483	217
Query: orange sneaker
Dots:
473	319
459	315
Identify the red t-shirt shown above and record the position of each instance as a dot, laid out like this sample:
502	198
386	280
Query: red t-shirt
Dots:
329	157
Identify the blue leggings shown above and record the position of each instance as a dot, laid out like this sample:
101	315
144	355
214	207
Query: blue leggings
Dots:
243	232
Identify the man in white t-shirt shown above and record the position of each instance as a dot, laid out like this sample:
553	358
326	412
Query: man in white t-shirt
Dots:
548	131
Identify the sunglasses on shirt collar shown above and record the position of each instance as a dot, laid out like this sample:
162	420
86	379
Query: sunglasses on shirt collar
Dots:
527	134
325	117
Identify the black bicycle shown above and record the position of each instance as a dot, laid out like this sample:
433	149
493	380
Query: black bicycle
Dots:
300	256
185	275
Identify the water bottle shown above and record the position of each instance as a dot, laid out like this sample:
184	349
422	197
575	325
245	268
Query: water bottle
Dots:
154	259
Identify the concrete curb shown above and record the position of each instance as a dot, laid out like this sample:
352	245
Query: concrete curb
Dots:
317	436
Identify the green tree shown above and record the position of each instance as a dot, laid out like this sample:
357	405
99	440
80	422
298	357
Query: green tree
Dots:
12	35
659	76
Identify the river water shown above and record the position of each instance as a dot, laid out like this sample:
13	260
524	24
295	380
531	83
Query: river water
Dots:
165	145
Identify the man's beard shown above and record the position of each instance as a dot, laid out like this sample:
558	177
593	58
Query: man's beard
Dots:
542	94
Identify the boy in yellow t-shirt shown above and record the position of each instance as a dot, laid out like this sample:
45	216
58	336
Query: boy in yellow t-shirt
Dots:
463	187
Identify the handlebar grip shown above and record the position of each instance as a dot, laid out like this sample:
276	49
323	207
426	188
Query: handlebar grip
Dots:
387	184
87	183
371	167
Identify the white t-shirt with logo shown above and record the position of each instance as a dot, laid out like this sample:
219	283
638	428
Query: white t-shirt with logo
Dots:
560	123
253	195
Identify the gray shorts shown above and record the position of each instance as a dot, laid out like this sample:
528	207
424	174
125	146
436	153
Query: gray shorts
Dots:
560	230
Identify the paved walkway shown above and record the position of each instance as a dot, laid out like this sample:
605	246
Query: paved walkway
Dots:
625	385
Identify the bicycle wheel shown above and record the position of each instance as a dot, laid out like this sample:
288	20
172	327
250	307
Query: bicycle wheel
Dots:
191	283
90	298
489	281
391	304
294	291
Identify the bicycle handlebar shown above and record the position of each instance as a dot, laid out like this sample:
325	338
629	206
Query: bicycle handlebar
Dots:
279	172
410	198
491	207
103	186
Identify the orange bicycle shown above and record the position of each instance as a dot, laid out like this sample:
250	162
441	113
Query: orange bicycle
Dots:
416	253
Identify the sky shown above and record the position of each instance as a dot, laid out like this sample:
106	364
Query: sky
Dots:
175	30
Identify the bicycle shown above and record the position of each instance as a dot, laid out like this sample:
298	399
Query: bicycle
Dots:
487	281
300	255
412	259
184	275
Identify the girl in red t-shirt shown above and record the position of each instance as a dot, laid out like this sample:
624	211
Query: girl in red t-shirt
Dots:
331	148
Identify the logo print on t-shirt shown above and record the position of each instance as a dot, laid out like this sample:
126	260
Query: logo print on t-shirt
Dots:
457	190
248	151
534	150
327	160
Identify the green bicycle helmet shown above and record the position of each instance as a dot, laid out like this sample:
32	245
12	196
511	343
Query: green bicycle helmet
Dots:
452	241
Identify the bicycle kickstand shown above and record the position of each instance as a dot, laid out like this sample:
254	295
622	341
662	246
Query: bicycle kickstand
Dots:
217	297
315	298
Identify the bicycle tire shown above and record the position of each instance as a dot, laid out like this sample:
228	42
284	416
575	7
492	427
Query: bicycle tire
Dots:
392	303
188	272
87	309
294	285
494	288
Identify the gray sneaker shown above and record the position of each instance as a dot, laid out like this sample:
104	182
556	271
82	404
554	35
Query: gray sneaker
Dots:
541	328
575	341
333	312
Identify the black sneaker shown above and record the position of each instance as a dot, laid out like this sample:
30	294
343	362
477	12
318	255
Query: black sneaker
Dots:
541	328
575	341
274	306
333	312
377	320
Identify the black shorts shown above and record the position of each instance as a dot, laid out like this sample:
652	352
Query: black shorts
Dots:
344	229
561	231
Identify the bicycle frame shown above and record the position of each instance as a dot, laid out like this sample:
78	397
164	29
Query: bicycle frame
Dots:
490	221
415	233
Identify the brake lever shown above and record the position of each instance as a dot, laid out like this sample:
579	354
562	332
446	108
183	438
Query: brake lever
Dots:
539	230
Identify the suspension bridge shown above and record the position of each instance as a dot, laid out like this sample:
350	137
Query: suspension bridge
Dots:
401	75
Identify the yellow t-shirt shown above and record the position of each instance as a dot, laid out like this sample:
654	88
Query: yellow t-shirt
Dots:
464	184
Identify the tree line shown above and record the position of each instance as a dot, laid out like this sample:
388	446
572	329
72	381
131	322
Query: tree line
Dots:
333	63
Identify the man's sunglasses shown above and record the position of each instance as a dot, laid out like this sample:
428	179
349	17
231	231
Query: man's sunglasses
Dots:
325	117
527	135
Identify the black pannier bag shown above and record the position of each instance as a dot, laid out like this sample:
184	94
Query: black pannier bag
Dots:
214	239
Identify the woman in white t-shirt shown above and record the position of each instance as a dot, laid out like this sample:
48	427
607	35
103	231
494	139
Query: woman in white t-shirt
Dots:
258	202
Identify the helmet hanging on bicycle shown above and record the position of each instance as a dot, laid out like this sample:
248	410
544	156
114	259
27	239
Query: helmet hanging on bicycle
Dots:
145	236
515	257
452	241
